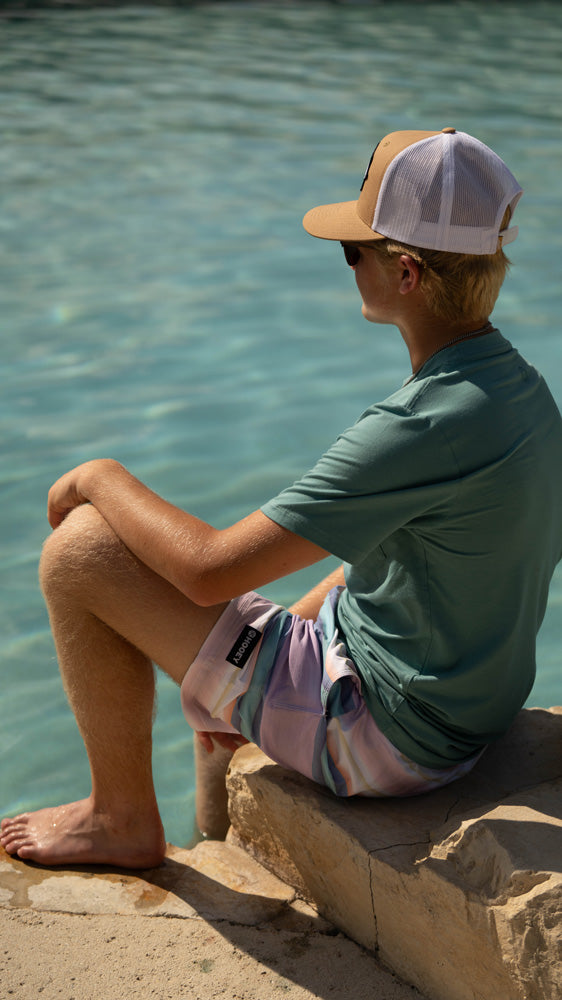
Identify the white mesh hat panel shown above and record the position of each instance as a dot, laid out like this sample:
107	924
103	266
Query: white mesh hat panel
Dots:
447	192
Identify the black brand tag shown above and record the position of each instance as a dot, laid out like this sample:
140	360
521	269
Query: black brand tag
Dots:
245	643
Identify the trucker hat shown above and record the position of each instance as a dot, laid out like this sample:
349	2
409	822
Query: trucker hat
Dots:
438	190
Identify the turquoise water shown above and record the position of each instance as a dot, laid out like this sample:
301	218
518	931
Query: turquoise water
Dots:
162	304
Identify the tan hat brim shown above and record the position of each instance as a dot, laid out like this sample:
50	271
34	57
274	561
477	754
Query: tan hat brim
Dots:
338	222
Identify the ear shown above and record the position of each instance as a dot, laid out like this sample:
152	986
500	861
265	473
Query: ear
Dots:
410	274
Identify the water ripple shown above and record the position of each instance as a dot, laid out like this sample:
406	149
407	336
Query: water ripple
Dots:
161	301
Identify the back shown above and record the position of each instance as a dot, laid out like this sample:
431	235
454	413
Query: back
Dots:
462	593
444	501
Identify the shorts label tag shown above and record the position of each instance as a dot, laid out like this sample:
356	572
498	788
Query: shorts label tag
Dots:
245	643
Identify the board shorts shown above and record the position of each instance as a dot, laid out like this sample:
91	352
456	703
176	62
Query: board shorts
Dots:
288	685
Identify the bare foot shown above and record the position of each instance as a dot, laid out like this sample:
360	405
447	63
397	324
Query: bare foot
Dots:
76	834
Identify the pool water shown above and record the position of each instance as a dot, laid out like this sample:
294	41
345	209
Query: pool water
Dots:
163	306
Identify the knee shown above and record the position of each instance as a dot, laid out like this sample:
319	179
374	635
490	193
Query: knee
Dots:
75	550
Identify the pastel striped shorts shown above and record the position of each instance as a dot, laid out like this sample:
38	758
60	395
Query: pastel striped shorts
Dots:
287	684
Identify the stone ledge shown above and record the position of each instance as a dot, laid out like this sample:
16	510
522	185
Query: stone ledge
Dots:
213	881
207	922
459	892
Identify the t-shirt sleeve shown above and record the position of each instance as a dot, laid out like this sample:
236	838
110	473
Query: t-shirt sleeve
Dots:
380	474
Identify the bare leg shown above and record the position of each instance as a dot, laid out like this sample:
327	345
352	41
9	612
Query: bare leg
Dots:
211	799
111	617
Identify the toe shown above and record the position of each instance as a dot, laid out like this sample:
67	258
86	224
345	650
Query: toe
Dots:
11	828
25	851
10	845
15	837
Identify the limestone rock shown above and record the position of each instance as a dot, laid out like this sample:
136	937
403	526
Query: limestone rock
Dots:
214	881
458	891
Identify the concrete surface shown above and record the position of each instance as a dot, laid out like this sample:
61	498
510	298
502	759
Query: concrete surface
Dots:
209	923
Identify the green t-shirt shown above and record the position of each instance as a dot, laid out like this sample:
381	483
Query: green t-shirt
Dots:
445	503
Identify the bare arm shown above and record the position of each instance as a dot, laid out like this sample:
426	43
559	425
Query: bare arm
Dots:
208	565
308	606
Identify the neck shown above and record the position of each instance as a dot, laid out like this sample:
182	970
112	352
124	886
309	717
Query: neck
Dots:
425	340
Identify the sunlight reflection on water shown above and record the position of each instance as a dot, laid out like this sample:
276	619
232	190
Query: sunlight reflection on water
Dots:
162	304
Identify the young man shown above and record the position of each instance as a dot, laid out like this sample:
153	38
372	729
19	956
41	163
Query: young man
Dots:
443	501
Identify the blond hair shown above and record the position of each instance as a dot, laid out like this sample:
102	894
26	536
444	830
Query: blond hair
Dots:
455	284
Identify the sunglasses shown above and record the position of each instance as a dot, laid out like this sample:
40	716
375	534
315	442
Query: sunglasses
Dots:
352	251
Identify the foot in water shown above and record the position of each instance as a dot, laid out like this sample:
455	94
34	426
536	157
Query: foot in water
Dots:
76	834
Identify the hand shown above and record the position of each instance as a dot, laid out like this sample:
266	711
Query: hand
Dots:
72	489
228	741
